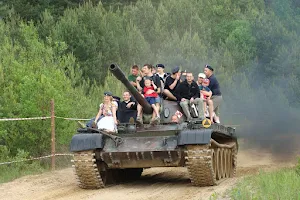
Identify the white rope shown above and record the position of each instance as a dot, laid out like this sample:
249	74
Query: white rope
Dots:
20	119
35	118
38	158
73	119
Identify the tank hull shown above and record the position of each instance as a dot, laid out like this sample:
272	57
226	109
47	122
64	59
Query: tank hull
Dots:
208	154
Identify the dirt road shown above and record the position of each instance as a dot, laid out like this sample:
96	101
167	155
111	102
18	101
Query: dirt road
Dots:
155	183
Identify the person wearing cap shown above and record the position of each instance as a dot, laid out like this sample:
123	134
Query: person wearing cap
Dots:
188	94
215	89
201	76
205	94
171	84
160	69
108	109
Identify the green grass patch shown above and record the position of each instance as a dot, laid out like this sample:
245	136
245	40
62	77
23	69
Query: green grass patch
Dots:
282	184
13	171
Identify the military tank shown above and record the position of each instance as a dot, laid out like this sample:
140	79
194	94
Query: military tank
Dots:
101	159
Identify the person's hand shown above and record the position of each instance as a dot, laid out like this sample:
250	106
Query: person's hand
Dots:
177	76
138	79
129	104
183	99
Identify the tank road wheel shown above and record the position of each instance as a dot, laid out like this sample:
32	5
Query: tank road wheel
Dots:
218	163
227	155
91	174
222	161
200	165
107	175
215	162
233	162
226	161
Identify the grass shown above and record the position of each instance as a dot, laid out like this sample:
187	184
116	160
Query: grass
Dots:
282	184
13	171
9	172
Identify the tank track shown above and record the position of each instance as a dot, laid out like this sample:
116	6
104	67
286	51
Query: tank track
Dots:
209	164
86	170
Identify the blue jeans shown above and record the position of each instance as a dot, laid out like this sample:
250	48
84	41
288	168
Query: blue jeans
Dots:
90	123
157	99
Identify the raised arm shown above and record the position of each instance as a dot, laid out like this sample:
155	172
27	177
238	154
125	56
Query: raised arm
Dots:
138	79
172	86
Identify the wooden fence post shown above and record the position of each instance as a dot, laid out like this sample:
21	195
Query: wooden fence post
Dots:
52	135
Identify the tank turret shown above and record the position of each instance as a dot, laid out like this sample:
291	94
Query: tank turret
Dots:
117	72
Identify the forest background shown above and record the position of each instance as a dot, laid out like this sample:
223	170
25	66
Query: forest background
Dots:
62	50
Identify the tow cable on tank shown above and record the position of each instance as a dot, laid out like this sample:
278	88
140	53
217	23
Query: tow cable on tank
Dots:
118	140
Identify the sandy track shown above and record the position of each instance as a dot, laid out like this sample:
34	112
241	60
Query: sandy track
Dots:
155	183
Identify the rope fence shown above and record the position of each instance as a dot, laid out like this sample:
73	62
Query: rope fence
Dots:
39	118
22	119
38	158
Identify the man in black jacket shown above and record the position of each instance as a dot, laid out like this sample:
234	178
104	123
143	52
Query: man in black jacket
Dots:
127	108
188	94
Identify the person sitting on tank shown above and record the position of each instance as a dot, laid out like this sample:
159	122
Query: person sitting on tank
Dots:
215	89
127	108
201	77
150	96
92	124
108	109
146	71
205	94
187	94
160	71
171	84
134	74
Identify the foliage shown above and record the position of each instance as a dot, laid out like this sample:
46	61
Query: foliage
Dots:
32	73
32	9
283	184
298	167
11	171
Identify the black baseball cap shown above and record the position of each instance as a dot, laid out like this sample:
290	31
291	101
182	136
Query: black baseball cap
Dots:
160	65
209	67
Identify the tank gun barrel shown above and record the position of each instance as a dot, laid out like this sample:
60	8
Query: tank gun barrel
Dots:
117	72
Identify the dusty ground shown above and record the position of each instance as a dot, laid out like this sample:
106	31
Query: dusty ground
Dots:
155	183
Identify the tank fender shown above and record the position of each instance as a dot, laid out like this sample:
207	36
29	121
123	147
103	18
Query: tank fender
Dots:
82	142
194	136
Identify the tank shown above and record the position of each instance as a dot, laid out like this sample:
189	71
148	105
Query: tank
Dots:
209	152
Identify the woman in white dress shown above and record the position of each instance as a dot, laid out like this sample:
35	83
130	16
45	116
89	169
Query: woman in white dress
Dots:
107	111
